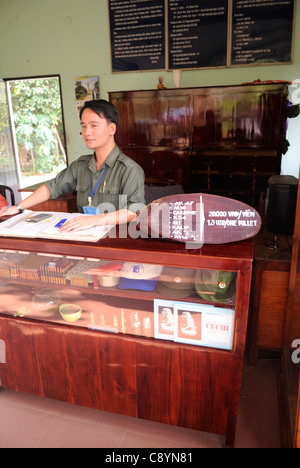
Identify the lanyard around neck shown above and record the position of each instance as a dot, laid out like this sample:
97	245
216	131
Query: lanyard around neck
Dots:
94	191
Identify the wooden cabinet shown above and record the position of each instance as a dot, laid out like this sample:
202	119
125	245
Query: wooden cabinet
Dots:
225	140
103	360
289	389
269	293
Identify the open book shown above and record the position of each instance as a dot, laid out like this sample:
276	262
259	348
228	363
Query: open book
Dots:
33	224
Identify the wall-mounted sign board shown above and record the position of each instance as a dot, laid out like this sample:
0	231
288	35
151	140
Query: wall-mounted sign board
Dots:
137	31
192	34
262	31
197	33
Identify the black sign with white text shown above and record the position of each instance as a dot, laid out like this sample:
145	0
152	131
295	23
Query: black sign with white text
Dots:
194	34
137	30
197	33
262	31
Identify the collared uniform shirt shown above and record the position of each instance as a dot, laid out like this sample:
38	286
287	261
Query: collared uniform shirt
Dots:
122	185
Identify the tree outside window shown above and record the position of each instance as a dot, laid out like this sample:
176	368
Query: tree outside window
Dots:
39	131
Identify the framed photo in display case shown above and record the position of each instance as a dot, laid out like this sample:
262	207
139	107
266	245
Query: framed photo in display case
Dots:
203	325
164	319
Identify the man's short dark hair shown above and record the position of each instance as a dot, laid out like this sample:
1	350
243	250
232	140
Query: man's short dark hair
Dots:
102	108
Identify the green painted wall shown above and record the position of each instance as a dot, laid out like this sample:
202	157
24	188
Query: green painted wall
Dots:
71	38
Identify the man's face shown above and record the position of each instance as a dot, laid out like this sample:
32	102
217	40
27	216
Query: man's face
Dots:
97	132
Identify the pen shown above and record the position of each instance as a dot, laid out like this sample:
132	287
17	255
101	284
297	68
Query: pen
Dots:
7	208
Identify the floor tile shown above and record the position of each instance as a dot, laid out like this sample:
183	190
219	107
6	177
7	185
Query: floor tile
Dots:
150	441
261	380
178	435
30	401
22	427
36	422
69	433
258	424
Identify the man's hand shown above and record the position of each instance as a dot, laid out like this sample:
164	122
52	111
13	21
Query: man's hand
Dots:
80	223
8	211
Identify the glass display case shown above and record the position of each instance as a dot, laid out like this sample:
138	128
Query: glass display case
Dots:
193	306
142	327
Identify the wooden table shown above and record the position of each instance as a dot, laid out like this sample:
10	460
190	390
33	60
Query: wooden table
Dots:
66	203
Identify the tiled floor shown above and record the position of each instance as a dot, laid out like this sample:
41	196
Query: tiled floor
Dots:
32	422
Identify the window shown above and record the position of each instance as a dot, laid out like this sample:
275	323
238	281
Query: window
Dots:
37	126
8	167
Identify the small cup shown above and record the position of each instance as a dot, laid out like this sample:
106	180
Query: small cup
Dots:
70	312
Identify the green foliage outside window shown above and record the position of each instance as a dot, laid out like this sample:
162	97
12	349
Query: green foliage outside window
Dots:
38	123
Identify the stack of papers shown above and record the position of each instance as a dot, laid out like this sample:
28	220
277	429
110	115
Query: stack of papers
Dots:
48	227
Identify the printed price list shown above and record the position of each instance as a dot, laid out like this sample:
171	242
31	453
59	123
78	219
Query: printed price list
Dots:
262	31
137	34
197	33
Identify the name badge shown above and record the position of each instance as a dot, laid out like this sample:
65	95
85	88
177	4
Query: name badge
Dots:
90	210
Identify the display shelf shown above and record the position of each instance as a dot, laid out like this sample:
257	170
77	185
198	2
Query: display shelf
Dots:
115	292
54	282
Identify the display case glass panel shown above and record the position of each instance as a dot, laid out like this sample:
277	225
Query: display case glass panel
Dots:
186	305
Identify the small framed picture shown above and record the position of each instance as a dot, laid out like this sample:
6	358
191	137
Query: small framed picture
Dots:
203	325
164	319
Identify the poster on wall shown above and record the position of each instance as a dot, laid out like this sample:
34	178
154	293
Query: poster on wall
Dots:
137	31
197	33
86	89
262	32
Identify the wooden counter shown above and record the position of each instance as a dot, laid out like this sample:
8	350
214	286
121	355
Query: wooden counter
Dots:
174	383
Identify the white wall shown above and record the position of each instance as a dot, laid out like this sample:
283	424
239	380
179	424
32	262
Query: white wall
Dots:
71	38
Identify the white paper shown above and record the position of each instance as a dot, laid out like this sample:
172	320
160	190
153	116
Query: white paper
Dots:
18	226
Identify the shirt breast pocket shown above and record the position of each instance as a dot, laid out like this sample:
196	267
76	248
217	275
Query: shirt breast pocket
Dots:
109	199
82	194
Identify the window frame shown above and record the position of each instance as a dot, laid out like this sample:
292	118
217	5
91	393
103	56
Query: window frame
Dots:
10	110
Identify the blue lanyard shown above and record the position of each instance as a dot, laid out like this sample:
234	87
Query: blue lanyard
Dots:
94	191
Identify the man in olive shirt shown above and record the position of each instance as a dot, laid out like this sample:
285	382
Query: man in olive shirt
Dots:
109	185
